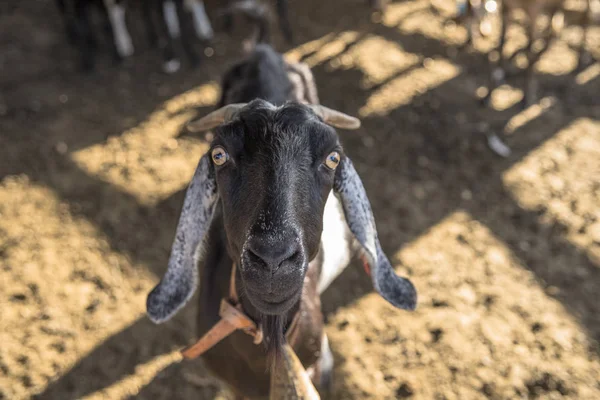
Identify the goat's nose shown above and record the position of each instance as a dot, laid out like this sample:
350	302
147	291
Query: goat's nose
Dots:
271	254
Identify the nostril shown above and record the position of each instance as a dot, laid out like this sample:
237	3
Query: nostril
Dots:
273	257
255	258
294	256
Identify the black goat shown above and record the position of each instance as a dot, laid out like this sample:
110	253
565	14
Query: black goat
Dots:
169	19
164	21
276	197
76	15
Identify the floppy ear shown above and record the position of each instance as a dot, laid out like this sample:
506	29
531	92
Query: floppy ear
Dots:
181	278
400	292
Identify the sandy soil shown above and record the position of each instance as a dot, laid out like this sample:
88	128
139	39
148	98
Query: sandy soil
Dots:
505	252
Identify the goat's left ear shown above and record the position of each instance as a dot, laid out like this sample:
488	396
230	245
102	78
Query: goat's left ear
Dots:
180	280
399	291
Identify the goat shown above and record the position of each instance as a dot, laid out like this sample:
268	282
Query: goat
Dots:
278	203
282	8
282	14
77	20
533	9
170	23
169	17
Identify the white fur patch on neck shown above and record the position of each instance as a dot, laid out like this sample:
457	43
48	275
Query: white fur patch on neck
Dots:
335	241
116	16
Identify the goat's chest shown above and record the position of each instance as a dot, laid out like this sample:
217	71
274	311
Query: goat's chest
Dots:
336	243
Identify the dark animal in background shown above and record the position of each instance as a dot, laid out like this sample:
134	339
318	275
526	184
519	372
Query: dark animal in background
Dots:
76	16
167	21
277	197
250	7
164	21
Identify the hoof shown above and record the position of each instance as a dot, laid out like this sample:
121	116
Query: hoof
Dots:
171	66
498	146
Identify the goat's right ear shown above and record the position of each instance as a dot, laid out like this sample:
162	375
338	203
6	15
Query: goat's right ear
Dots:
399	291
180	280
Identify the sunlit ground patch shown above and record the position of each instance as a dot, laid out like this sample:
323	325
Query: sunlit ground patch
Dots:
377	58
403	89
589	74
323	48
484	323
531	113
148	161
562	177
505	97
64	290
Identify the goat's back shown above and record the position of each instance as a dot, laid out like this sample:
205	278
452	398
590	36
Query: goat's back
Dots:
263	75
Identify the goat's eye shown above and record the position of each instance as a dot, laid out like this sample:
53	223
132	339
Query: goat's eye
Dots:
219	155
333	160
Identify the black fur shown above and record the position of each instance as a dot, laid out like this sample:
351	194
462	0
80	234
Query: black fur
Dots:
76	15
268	220
262	76
273	191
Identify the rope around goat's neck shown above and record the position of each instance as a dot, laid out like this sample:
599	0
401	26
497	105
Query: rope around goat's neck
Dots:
233	318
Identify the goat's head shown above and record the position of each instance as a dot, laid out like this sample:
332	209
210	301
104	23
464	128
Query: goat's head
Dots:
272	169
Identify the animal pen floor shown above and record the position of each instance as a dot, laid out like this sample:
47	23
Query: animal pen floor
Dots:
505	253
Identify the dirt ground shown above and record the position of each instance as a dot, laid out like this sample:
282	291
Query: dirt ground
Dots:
505	253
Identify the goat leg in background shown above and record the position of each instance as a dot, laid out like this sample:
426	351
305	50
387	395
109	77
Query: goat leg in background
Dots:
187	32
171	63
584	58
70	28
202	25
531	83
115	28
149	26
469	16
497	72
86	42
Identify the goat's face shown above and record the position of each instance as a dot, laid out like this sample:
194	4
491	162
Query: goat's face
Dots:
274	169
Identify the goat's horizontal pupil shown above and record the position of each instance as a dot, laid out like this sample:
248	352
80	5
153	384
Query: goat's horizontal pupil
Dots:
333	159
219	156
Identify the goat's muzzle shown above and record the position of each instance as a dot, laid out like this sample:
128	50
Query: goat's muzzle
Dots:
272	270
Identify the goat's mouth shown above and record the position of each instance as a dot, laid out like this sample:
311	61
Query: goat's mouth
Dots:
273	305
